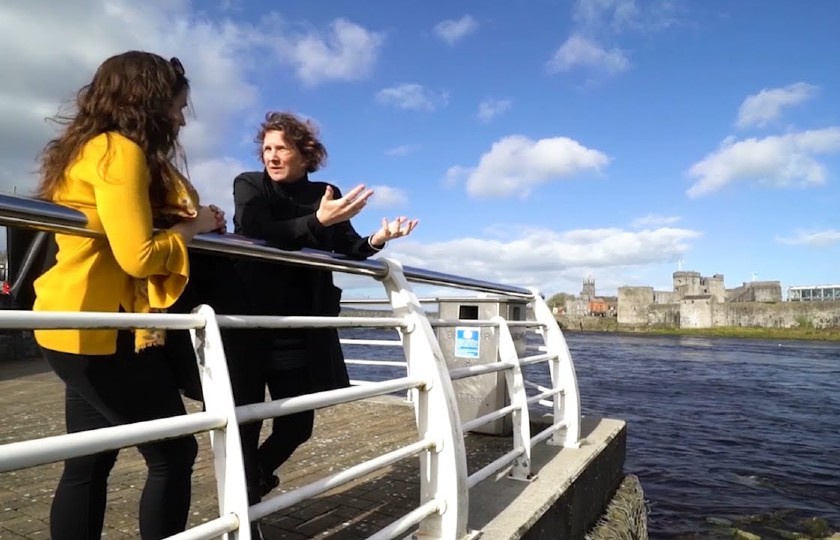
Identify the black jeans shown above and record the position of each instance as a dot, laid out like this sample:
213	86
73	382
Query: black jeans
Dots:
287	432
103	391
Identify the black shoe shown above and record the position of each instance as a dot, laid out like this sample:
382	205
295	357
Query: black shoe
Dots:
267	483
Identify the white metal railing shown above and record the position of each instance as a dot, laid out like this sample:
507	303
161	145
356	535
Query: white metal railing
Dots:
442	511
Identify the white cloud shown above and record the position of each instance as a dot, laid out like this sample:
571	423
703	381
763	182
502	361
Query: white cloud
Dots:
654	220
803	237
491	108
624	15
777	161
613	13
582	52
516	164
455	175
601	21
759	109
402	150
53	49
452	31
545	258
388	197
348	52
413	97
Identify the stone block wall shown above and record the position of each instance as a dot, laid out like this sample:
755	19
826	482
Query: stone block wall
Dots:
664	315
696	312
634	304
665	297
782	314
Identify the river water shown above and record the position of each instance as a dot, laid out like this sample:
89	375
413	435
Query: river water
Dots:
723	433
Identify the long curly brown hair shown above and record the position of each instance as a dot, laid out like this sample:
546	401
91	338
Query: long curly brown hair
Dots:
132	94
301	133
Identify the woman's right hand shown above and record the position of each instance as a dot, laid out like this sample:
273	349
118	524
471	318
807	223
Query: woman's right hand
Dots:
332	211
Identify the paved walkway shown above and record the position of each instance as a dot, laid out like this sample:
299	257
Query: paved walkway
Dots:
31	401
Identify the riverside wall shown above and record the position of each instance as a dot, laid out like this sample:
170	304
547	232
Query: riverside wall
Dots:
636	307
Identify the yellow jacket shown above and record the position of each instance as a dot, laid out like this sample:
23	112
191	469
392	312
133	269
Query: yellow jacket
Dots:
109	183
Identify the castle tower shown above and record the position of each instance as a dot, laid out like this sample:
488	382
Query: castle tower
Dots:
587	293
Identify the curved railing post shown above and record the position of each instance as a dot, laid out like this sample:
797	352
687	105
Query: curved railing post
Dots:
218	398
567	404
443	470
521	419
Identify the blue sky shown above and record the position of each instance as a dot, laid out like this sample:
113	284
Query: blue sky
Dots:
539	142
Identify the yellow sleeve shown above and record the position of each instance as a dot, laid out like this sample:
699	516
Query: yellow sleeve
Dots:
121	189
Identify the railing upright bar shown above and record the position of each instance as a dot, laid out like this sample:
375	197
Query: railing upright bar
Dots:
521	469
567	404
218	398
443	470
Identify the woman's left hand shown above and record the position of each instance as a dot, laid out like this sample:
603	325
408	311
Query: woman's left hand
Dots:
397	228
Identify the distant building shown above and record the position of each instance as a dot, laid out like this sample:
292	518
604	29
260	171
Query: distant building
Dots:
587	292
814	293
756	291
589	304
696	301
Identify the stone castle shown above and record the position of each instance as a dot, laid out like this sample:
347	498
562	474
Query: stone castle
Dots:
698	301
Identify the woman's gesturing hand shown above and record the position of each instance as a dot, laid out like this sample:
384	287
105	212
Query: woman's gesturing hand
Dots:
397	228
332	211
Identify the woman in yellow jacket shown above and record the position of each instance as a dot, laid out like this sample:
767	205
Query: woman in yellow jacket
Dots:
111	162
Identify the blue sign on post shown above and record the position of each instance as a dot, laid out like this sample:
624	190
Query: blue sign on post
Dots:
467	342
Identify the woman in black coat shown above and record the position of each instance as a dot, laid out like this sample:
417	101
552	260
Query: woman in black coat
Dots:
283	207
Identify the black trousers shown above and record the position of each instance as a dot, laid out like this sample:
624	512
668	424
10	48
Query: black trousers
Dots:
103	391
215	282
287	432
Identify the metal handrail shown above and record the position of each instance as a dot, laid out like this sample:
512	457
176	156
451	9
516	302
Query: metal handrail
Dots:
30	213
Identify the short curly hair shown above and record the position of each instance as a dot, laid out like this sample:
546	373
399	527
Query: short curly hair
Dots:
301	133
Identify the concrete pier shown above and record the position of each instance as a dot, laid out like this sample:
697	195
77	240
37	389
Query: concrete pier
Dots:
570	493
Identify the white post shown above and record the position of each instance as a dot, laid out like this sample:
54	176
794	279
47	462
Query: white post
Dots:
567	404
443	470
218	398
521	469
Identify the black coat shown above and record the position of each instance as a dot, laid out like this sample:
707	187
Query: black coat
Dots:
214	281
283	214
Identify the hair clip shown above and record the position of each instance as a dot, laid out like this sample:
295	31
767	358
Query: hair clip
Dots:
177	65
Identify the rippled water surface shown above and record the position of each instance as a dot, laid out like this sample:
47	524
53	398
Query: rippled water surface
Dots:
719	430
